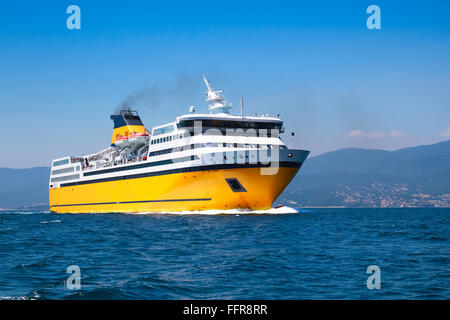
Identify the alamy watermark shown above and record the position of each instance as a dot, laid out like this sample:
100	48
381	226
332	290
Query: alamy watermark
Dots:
73	282
374	20
264	153
374	280
74	20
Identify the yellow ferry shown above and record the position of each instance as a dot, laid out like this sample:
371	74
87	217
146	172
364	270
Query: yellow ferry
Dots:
214	161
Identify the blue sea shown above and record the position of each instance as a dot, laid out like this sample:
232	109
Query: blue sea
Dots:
313	254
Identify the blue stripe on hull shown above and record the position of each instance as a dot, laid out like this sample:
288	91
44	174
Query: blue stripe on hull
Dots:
125	202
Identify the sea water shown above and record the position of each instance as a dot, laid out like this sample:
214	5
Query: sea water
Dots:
280	254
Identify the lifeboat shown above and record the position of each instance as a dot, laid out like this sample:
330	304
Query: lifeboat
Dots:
138	138
122	141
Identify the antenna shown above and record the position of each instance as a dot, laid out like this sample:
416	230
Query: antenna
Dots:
242	106
207	83
292	139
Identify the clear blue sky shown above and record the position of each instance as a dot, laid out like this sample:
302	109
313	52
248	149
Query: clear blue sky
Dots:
335	83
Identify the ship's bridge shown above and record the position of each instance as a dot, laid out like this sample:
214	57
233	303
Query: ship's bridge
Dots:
226	121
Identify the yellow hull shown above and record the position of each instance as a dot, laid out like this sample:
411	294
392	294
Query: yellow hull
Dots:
186	191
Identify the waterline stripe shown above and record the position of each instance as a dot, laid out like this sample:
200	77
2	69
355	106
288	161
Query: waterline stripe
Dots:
125	202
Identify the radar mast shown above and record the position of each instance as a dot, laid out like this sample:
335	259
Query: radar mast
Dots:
218	104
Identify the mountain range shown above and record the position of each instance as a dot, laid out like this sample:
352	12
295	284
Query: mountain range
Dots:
418	176
22	187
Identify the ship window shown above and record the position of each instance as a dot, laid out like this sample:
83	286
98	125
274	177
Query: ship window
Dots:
235	185
60	162
163	130
214	123
65	178
65	170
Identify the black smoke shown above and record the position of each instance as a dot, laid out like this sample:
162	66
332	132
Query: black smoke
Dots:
183	90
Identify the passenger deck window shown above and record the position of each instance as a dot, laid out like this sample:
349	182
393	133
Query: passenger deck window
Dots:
60	162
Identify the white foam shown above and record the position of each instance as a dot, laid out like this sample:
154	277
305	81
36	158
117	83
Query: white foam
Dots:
52	221
237	212
17	212
11	211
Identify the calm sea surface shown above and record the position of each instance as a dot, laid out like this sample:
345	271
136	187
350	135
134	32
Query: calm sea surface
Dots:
315	254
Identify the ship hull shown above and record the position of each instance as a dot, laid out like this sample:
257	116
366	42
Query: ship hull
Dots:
185	191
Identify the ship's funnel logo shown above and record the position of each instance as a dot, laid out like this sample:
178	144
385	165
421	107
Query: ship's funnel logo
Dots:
126	122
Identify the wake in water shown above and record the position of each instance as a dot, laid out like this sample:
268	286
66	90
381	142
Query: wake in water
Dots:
17	212
276	210
51	221
12	211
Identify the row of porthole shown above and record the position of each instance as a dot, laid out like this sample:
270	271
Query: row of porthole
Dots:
166	139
